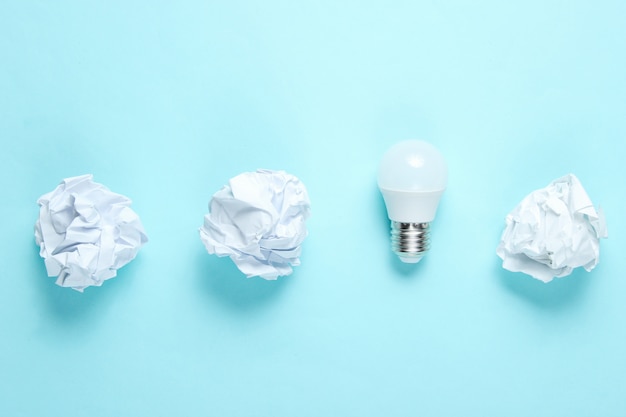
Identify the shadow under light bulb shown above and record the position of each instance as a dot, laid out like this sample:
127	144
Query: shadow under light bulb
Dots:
412	177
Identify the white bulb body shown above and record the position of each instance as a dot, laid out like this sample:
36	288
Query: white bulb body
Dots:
412	177
411	207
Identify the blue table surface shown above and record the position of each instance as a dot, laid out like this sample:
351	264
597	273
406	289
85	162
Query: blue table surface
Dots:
165	102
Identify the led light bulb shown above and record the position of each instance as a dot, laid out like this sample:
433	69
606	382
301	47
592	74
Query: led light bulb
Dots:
412	177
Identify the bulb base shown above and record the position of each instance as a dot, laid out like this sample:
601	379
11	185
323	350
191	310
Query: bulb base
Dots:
410	241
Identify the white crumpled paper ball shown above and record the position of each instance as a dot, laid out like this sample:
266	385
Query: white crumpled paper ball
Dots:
552	231
86	233
258	219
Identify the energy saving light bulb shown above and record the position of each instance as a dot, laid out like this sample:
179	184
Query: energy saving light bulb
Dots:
412	177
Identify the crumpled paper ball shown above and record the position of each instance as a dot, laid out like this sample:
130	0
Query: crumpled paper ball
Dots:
86	233
552	231
258	219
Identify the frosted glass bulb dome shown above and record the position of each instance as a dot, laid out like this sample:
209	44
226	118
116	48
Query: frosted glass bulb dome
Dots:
412	177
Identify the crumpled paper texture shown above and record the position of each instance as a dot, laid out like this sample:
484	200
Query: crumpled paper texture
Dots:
258	220
552	231
86	232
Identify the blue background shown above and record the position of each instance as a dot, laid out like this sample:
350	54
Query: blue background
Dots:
165	102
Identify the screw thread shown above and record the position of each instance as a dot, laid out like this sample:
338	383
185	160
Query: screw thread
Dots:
410	241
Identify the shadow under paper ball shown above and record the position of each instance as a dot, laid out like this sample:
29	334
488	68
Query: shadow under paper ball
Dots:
556	294
69	307
220	278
